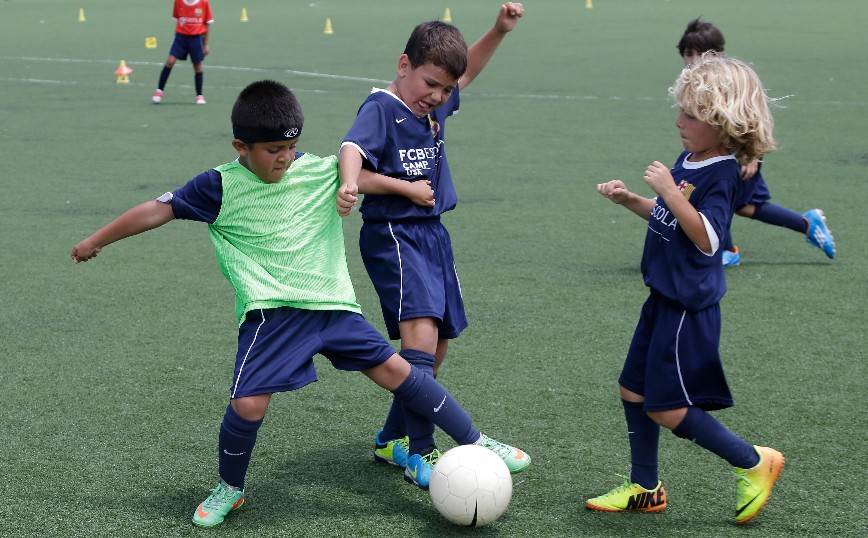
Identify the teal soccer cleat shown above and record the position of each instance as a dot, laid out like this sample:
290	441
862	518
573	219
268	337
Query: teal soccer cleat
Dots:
213	510
731	258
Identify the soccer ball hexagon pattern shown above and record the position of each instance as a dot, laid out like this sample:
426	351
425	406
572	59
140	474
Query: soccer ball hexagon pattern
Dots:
471	486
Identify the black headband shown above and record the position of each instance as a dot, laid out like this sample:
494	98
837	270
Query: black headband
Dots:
251	135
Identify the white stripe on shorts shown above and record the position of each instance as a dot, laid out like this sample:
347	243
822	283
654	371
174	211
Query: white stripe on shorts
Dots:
241	369
678	358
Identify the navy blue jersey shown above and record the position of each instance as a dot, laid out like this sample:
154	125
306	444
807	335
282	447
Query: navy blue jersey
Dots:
753	190
672	264
395	142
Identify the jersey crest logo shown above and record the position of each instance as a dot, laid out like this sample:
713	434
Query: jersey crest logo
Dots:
435	127
686	189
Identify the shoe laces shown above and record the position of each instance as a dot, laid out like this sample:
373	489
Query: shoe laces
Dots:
431	457
744	486
219	496
623	487
501	449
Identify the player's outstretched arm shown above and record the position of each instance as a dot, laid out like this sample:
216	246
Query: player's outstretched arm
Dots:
141	218
659	178
480	52
617	192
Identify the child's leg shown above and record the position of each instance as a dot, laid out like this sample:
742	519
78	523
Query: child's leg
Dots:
198	78
644	435
704	430
238	436
419	428
779	216
164	74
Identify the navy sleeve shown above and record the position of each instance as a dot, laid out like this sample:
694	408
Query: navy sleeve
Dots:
200	199
368	131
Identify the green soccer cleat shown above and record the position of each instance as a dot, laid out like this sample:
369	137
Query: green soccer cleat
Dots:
223	499
755	484
630	497
394	452
516	460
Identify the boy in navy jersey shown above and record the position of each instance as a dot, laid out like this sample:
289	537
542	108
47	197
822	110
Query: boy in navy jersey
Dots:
399	133
280	242
673	374
753	196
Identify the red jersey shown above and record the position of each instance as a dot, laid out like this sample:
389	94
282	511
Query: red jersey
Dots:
193	16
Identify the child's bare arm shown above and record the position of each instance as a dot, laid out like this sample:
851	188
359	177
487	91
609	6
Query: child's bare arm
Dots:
141	218
482	50
617	192
368	182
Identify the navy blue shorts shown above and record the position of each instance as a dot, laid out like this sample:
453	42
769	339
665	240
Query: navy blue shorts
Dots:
752	191
674	359
194	45
413	270
276	347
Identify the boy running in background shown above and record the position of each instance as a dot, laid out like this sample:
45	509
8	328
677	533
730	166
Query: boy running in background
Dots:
673	374
191	37
399	133
279	241
753	194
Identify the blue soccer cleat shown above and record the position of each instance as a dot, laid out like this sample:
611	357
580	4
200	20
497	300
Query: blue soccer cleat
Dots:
818	233
731	258
419	467
394	451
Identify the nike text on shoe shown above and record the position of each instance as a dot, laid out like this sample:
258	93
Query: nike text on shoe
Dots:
630	497
755	484
419	468
200	100
213	510
731	258
818	232
394	451
158	96
515	459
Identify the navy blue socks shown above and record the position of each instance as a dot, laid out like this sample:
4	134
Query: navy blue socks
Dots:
198	78
704	430
644	435
780	216
237	437
164	76
423	395
419	428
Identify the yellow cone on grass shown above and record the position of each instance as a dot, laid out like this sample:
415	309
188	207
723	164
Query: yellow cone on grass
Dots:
150	42
589	4
328	27
447	15
244	15
81	15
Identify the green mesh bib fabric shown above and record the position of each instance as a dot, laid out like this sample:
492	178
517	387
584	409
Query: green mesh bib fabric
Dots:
282	244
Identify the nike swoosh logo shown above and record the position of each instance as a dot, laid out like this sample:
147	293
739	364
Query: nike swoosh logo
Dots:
399	121
437	409
743	508
232	453
519	455
202	513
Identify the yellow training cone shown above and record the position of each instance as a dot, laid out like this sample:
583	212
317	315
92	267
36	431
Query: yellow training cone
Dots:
244	15
81	15
328	29
123	73
447	16
150	42
589	4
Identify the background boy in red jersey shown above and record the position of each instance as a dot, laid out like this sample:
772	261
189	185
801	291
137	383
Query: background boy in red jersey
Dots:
191	37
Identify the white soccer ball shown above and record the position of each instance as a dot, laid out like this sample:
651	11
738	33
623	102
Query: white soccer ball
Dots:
470	485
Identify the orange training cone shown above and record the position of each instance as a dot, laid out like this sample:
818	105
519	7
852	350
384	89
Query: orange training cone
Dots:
81	15
123	73
328	29
447	16
244	15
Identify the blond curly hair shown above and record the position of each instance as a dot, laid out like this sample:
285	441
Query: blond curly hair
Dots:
728	95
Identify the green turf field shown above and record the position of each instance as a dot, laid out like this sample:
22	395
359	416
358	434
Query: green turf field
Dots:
115	373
